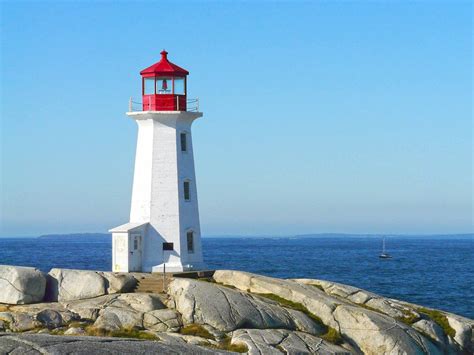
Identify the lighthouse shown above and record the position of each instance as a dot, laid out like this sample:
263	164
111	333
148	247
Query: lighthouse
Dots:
164	230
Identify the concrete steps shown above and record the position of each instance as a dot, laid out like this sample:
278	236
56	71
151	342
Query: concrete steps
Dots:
152	283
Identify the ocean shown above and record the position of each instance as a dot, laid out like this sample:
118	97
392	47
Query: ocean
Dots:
436	272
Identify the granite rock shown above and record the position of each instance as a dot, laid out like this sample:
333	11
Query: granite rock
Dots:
21	285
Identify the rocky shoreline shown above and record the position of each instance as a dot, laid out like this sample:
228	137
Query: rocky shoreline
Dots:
78	311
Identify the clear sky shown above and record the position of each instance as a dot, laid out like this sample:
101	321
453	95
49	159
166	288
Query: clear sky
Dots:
318	116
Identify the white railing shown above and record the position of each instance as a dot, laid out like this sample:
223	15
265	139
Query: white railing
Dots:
192	105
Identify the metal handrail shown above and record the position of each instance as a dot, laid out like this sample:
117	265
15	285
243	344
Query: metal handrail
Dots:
192	105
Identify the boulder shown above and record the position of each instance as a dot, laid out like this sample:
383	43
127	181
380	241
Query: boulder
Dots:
431	329
376	333
6	317
113	318
281	341
89	308
354	295
141	302
67	285
226	309
50	318
464	329
23	322
162	320
75	331
119	282
21	285
122	311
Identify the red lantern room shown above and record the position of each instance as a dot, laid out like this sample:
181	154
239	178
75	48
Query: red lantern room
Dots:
164	86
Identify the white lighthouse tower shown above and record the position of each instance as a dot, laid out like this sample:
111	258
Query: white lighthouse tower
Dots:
164	225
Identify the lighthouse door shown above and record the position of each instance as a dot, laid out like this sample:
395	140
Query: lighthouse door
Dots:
135	252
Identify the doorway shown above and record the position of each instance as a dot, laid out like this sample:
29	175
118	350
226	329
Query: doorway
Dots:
135	252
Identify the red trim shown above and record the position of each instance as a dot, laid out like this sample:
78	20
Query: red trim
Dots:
164	67
164	102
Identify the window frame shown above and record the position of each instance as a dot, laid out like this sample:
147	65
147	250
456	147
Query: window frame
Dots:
189	233
187	196
150	78
184	85
185	134
169	79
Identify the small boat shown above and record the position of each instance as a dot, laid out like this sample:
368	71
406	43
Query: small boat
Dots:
384	254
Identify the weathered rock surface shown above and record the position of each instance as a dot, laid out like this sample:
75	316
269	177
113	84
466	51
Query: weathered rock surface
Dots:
282	341
141	302
397	309
114	318
464	329
75	331
431	329
23	322
119	282
67	285
376	333
50	318
36	344
315	300
267	315
374	328
162	320
113	312
226	309
89	308
21	285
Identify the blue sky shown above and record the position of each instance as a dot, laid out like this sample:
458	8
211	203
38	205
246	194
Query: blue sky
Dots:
318	116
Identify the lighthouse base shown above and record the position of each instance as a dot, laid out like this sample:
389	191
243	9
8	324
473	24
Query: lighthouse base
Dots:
178	267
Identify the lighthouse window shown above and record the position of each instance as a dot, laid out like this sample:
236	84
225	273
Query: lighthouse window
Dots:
149	86
184	148
190	240
179	86
164	85
187	192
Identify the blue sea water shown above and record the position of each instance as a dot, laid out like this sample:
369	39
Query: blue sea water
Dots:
434	272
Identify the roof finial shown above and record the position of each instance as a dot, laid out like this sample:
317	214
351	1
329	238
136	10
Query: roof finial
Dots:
164	54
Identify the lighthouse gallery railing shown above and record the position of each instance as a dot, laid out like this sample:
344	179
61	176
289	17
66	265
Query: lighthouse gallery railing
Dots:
192	105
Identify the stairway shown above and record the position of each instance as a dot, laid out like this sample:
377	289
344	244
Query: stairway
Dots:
151	283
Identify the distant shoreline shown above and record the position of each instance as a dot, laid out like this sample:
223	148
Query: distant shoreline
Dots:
104	236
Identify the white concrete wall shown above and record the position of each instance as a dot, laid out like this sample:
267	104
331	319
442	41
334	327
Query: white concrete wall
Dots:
157	194
141	191
189	210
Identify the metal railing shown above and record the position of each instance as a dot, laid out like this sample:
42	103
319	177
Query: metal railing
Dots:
192	105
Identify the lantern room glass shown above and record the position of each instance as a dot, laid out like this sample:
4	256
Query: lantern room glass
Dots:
149	86
179	86
164	85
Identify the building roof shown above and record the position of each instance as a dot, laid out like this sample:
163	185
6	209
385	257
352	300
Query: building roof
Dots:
164	67
127	227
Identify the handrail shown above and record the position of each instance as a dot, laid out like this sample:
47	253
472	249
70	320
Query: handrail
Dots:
192	105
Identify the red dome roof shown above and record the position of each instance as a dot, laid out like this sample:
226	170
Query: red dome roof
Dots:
164	67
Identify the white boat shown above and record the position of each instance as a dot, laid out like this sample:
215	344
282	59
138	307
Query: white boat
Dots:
384	254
